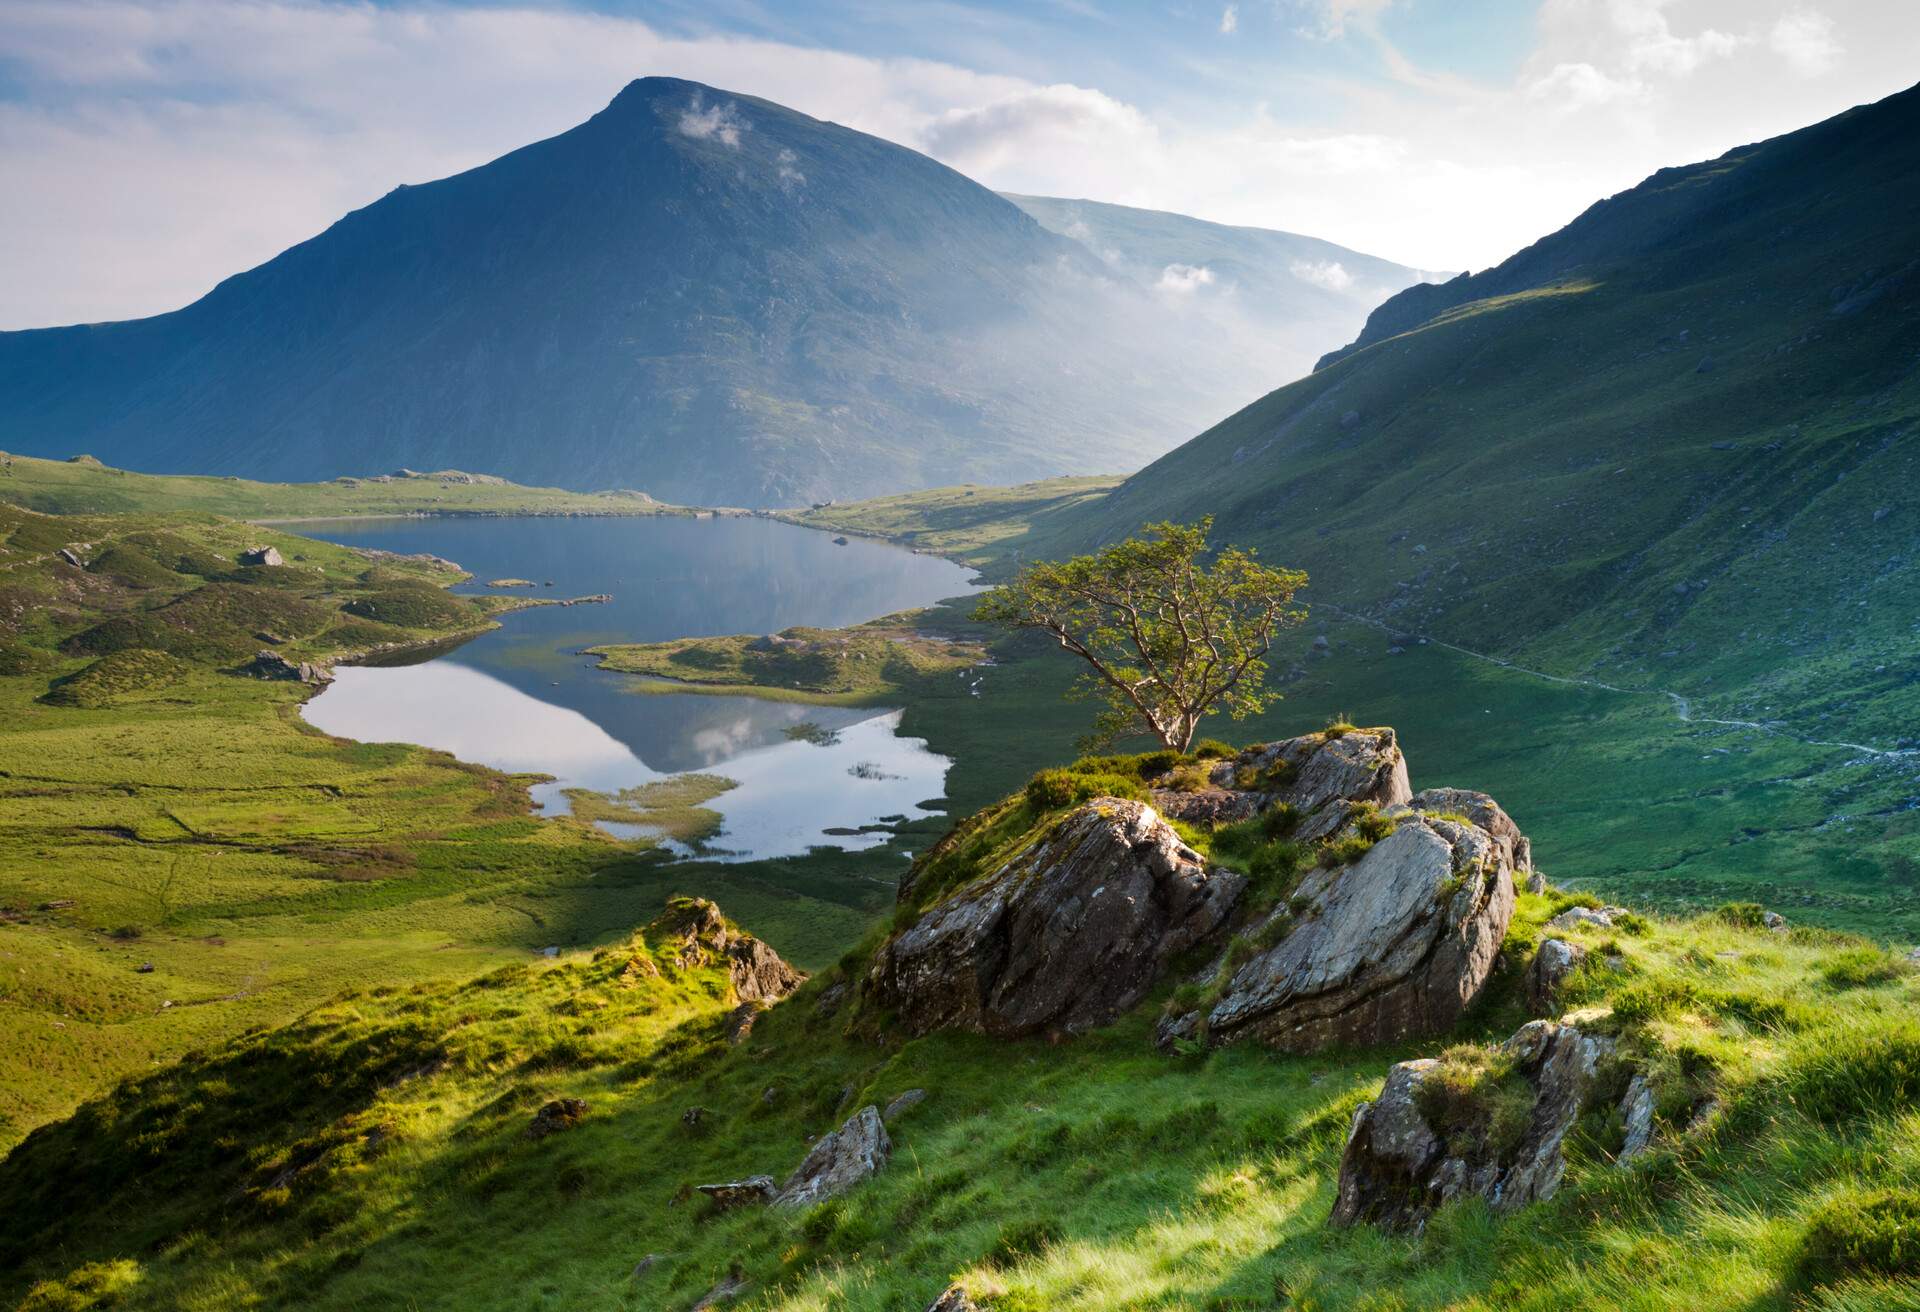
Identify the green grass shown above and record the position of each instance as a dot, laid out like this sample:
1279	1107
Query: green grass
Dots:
870	664
672	806
971	523
74	487
332	1161
264	865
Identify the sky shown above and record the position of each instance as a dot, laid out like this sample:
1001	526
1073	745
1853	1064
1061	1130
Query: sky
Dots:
149	148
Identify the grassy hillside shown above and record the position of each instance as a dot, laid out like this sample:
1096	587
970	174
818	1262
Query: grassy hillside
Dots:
158	809
84	486
386	1135
1628	521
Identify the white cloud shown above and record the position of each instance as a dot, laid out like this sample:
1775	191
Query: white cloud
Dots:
1230	20
720	123
1805	38
1330	274
1184	279
152	147
1579	86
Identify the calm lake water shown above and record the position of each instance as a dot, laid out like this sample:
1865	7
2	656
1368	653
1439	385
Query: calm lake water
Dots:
521	699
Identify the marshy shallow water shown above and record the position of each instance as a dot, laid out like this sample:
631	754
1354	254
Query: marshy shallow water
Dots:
521	699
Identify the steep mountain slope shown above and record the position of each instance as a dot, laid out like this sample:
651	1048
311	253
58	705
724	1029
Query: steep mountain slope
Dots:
1672	446
1269	300
696	293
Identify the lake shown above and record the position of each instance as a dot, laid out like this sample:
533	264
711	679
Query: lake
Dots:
521	699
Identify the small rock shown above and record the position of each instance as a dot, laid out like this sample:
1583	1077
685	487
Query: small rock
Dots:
841	1160
1637	1106
954	1300
755	1189
272	665
730	1288
694	1117
144	968
827	1005
552	950
560	1114
71	556
1598	917
904	1102
1553	961
1774	921
262	556
740	1021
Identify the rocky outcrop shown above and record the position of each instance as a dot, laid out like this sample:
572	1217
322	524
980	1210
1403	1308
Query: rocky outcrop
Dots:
560	1114
1553	961
839	1161
1393	946
262	556
700	936
1067	935
1487	815
1399	1165
1321	777
272	665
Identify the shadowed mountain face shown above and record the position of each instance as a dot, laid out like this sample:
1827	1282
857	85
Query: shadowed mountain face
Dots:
1676	444
1269	301
697	293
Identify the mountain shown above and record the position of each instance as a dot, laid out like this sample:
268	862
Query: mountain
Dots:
696	293
1675	445
1272	300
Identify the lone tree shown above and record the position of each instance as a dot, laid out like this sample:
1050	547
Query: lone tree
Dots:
1168	637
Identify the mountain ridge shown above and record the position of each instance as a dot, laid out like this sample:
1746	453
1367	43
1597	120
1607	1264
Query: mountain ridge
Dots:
695	292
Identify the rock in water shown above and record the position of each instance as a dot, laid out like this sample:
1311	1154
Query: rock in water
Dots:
1398	1167
839	1161
1393	946
1066	936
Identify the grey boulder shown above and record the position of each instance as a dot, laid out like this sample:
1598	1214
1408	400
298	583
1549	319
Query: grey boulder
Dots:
1068	934
839	1161
1397	1168
1394	946
1553	961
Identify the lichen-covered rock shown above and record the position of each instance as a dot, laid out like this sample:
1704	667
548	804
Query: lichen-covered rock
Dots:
1393	946
272	665
755	1189
1398	1167
1070	933
702	936
1487	815
1321	777
839	1161
560	1114
1598	917
1553	961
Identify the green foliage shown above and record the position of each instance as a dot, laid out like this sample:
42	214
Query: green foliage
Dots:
414	606
1212	749
1476	1100
116	679
1744	915
1167	639
1862	1233
1863	967
1865	1065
